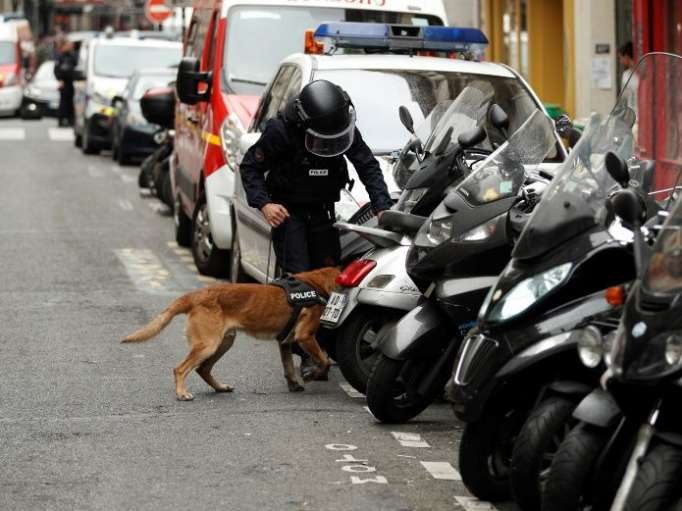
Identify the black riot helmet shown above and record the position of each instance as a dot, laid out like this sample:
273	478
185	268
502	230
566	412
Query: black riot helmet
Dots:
327	115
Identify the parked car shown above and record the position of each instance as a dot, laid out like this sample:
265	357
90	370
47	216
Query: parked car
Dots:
103	69
241	62
132	136
11	70
41	95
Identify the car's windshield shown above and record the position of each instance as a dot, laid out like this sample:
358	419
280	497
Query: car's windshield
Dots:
45	72
8	52
420	91
121	61
503	172
146	82
255	43
575	200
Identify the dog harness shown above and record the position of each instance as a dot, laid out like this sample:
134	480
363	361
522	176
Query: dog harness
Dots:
299	295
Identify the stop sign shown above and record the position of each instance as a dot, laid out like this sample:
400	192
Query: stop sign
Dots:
157	11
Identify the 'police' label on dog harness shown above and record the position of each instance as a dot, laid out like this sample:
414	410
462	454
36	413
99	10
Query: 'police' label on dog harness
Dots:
318	172
299	295
295	297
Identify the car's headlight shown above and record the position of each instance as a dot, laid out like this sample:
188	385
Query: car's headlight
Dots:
229	131
528	291
440	229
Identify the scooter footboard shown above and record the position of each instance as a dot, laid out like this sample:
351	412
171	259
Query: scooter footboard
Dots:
421	331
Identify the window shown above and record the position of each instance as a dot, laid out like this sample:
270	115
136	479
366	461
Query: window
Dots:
119	61
272	100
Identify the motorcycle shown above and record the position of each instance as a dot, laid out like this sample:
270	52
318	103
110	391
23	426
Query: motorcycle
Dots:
625	451
517	373
375	291
453	261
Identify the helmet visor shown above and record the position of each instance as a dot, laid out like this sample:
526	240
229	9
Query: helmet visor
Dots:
328	145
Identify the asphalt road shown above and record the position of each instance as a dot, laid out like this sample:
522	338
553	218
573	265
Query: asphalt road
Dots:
89	423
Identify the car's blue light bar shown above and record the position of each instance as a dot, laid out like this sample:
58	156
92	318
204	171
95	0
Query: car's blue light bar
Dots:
401	38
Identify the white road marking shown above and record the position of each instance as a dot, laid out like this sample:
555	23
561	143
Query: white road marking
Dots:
348	389
473	504
181	251
192	268
409	439
186	258
172	244
207	280
61	134
128	179
441	470
125	205
157	206
12	134
144	269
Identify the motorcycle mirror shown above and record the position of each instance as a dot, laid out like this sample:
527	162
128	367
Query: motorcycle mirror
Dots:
627	206
617	168
406	118
498	117
472	137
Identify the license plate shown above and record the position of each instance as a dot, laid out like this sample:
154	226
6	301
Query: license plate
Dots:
335	305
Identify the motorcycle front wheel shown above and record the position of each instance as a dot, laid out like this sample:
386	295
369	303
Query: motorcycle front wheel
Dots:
656	487
392	395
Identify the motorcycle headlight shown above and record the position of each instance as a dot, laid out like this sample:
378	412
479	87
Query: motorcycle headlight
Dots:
528	291
480	233
440	229
673	349
591	347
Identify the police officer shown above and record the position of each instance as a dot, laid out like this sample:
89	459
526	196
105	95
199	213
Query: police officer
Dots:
302	151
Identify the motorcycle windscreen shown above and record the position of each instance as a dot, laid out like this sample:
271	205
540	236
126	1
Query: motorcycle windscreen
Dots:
574	202
503	172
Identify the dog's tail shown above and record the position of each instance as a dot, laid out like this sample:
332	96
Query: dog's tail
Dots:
180	306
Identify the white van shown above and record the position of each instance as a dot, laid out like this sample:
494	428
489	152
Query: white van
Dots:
11	70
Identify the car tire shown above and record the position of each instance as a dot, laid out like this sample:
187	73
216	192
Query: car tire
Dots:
183	225
535	447
486	447
87	145
572	467
385	390
656	487
209	259
355	356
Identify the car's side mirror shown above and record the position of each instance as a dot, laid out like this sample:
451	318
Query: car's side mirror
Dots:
498	117
406	118
627	205
189	79
617	168
471	138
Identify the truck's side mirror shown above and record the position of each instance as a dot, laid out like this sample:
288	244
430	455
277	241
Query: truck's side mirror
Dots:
617	168
189	79
406	118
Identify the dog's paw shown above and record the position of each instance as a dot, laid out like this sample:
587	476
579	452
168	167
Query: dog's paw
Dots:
295	387
317	374
185	397
224	388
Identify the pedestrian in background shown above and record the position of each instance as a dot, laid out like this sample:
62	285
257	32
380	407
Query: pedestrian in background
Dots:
629	81
64	72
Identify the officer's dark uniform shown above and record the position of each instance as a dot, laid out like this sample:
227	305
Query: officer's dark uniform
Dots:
308	186
63	71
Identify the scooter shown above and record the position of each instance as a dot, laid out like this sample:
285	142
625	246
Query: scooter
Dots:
626	451
375	291
453	261
521	352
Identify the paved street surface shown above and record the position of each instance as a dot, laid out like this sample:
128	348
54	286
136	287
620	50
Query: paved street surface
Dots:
89	423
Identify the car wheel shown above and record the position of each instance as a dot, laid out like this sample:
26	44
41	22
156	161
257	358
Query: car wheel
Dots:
183	225
209	259
88	145
355	344
535	447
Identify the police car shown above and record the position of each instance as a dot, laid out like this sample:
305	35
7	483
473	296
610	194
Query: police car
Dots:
391	72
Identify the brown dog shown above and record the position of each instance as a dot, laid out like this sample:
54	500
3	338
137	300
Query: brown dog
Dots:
214	314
